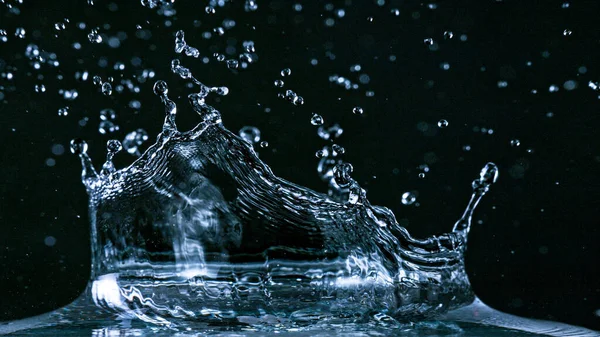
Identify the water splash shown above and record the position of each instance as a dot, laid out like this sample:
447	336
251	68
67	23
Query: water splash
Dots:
198	227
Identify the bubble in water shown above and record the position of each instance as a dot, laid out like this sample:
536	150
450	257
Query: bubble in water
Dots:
107	88
515	143
286	72
279	83
316	119
358	110
442	123
408	198
78	146
250	134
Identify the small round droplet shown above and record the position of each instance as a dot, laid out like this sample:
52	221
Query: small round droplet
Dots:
320	154
279	83
515	143
113	146
337	150
341	174
489	174
567	32
286	72
358	110
316	120
161	88
264	144
78	146
250	134
448	35
442	123
209	10
408	198
421	175
106	89
232	64
428	41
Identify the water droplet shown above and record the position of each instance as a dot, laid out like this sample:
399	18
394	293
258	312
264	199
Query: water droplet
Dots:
20	33
428	41
250	134
264	144
567	32
358	110
395	12
286	72
63	111
337	150
106	88
421	175
94	37
442	123
161	88
40	88
448	35
515	143
408	198
320	153
250	6
341	174
134	140
209	10
232	64
114	146
279	83
78	146
316	120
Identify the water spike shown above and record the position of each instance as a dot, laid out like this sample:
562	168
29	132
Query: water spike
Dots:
112	147
487	176
161	89
88	173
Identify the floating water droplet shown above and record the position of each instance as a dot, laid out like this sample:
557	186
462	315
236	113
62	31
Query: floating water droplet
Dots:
232	64
250	134
63	111
442	123
209	10
515	143
337	150
320	154
395	12
264	144
567	32
421	175
250	6
107	88
448	35
286	72
40	88
94	36
357	110
408	198
428	41
279	83
161	88
316	119
341	174
20	33
134	140
114	146
332	132
78	146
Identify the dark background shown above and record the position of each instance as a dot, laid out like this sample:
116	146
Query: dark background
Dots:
535	251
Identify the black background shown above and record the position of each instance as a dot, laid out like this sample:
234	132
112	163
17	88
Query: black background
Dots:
535	252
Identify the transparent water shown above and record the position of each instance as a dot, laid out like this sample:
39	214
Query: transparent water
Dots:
199	237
